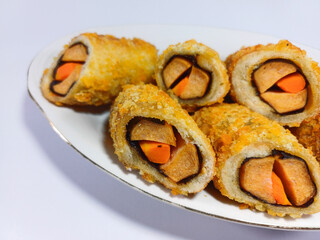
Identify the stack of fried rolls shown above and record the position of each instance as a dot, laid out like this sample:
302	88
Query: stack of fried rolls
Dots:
91	69
193	74
259	163
152	133
276	80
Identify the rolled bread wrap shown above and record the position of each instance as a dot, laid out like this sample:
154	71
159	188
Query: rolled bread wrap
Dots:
192	170
266	79
207	79
250	149
103	64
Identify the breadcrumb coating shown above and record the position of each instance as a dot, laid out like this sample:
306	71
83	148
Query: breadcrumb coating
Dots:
148	101
237	133
207	59
242	64
111	63
308	134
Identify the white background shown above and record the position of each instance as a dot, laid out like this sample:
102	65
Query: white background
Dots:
48	190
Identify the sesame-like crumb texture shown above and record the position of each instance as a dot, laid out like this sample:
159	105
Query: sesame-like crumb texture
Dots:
148	101
111	63
308	134
237	133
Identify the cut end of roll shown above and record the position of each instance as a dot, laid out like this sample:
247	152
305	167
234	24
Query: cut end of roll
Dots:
152	133
276	80
259	163
68	68
92	68
186	78
193	74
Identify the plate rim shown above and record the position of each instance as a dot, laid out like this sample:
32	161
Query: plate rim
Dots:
65	139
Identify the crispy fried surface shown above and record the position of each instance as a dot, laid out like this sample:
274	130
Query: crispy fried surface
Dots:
283	45
147	101
308	134
111	63
207	59
244	62
237	133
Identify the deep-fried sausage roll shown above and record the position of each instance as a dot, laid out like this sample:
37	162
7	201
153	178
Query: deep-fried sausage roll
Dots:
259	163
152	133
277	80
91	69
193	74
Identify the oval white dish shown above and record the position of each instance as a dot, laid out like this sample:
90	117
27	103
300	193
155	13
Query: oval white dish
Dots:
86	134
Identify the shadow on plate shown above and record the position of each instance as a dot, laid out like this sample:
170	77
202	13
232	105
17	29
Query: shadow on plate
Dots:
126	201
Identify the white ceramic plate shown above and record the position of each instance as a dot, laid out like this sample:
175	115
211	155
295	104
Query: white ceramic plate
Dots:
85	131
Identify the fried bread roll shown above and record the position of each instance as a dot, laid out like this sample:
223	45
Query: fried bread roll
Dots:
152	133
193	74
308	134
277	80
91	69
259	163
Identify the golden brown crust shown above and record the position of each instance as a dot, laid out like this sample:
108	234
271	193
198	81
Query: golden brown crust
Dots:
308	134
236	133
242	63
112	62
283	45
148	101
209	60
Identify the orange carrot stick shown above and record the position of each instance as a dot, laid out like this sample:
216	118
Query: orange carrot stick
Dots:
178	89
278	190
155	152
65	70
292	83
